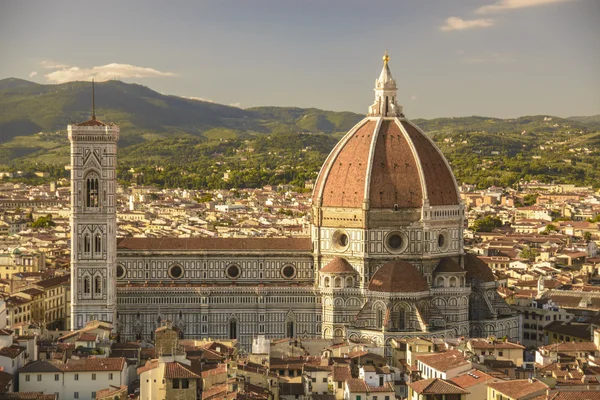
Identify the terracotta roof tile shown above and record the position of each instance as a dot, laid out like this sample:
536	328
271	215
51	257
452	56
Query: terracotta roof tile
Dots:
297	244
394	175
175	370
477	269
444	361
441	189
398	277
471	378
447	264
344	185
436	386
92	122
519	388
338	265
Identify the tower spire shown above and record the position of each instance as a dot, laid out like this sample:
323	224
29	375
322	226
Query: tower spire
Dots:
93	101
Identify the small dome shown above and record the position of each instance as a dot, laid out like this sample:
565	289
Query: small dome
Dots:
477	269
338	265
447	264
398	277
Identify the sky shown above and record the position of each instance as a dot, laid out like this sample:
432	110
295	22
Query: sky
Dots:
497	58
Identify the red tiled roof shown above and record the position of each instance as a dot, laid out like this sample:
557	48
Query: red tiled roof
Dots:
175	370
447	264
436	386
494	344
395	179
95	364
338	265
398	277
443	361
471	378
91	122
441	189
519	387
344	183
297	244
477	269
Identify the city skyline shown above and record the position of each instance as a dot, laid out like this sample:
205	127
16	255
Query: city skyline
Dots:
507	58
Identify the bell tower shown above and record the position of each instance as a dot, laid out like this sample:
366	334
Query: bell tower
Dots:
93	220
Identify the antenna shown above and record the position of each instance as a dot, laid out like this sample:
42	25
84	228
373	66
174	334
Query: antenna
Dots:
93	101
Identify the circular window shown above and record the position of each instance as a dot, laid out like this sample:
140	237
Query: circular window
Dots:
340	240
233	271
176	271
443	240
396	242
288	272
120	271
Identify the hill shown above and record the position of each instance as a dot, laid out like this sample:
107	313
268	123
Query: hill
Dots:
175	141
591	120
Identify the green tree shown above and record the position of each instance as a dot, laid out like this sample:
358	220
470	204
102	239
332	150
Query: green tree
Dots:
550	229
487	224
529	253
530	199
43	222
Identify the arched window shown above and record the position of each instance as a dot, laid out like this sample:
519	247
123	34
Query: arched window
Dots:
98	244
87	245
401	319
92	191
379	321
453	281
338	282
98	285
327	281
439	281
349	282
87	285
233	329
290	329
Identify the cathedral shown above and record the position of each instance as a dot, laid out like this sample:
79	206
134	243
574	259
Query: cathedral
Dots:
385	258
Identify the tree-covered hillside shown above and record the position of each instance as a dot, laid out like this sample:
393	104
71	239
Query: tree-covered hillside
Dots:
173	141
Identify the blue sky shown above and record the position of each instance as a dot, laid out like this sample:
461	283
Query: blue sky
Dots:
500	58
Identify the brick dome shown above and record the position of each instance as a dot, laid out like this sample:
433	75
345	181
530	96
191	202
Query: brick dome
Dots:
338	265
385	163
398	277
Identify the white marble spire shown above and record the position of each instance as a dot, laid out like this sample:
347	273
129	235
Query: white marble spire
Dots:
385	104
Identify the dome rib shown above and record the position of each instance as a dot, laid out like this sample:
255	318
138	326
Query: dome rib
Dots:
398	277
369	169
325	170
438	179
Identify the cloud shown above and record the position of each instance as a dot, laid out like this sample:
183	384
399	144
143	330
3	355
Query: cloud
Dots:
413	97
198	99
489	58
32	74
104	73
459	24
237	105
53	65
503	5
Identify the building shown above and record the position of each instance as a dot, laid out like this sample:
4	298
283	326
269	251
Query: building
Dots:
519	389
385	259
93	221
76	379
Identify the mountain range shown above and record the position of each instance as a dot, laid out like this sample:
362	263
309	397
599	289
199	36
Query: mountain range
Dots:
33	119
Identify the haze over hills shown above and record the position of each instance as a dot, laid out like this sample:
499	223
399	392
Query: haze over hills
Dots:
185	133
